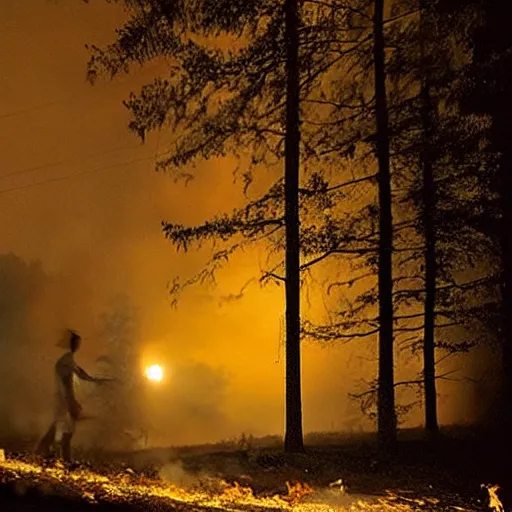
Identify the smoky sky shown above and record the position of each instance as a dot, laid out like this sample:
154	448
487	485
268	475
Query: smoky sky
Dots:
79	194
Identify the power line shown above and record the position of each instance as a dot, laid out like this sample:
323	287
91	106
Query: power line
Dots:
41	106
62	162
45	105
74	175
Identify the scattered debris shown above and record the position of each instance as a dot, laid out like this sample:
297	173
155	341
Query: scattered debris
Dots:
338	484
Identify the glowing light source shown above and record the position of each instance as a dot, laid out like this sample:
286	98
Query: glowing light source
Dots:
155	372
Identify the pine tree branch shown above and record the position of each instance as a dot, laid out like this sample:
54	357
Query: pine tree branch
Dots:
412	382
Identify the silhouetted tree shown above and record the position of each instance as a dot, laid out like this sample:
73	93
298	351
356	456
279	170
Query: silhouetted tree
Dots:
488	91
374	32
294	437
429	204
452	192
386	390
432	135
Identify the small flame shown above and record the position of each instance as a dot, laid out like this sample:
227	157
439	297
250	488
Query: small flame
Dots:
494	502
296	492
126	486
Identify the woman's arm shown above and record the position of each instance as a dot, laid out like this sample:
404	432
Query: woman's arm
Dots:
82	374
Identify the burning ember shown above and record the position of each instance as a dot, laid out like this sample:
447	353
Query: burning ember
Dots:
155	372
128	487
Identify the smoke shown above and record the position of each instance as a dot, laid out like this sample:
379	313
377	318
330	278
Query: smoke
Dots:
22	401
86	204
174	474
191	405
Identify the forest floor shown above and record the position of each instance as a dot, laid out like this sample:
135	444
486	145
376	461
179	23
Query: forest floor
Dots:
337	473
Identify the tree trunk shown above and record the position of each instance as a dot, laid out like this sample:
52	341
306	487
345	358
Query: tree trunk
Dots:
429	370
293	441
429	233
386	390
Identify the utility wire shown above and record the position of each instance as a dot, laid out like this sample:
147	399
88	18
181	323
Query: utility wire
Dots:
62	162
41	106
74	175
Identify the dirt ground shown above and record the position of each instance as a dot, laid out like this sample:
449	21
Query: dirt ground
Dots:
443	475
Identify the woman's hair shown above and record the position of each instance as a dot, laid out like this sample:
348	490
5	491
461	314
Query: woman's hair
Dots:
74	340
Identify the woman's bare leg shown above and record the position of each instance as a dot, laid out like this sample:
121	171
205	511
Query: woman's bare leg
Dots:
66	446
44	446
